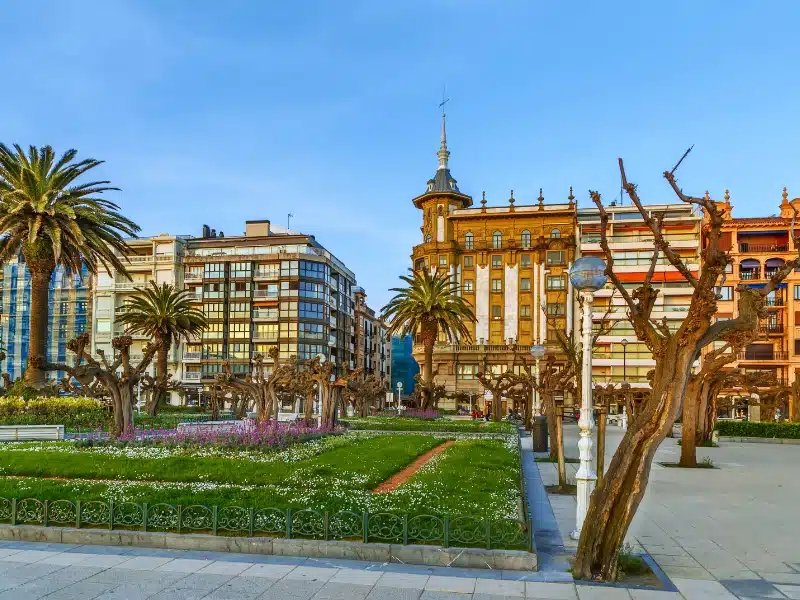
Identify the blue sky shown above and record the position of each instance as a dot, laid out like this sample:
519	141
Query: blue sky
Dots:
218	112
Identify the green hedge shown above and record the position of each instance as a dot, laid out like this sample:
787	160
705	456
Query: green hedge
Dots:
85	413
790	431
429	425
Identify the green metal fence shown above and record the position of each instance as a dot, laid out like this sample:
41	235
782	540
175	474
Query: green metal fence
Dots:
382	527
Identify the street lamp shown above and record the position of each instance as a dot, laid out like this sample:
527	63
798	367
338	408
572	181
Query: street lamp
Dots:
537	351
399	394
624	360
587	276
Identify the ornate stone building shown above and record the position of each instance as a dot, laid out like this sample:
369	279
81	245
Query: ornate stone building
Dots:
510	262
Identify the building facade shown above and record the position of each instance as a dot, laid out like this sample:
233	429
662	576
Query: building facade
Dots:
510	262
404	366
373	349
158	259
69	312
759	246
270	287
618	354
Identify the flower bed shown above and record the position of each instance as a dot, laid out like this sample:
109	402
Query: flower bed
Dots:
789	431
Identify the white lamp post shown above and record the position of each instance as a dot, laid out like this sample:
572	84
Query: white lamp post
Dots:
587	276
537	352
399	394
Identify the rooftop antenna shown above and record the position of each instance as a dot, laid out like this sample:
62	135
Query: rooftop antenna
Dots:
443	154
289	220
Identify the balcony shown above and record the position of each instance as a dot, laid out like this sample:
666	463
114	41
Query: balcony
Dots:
774	302
192	277
760	356
264	315
754	248
192	376
771	329
165	258
769	273
191	356
265	338
126	286
265	275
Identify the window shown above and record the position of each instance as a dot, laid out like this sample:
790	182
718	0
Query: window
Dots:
525	311
555	309
194	272
288	329
555	234
312	290
211	369
526	239
214	271
263	350
265	313
238	330
428	239
240	289
468	262
288	350
497	262
312	310
213	290
267	331
498	369
497	240
268	270
497	312
315	270
239	310
497	285
466	372
289	310
214	331
312	331
525	284
420	264
555	282
556	257
469	241
240	351
289	268
726	292
241	269
103	326
442	261
212	351
309	351
526	260
797	292
468	285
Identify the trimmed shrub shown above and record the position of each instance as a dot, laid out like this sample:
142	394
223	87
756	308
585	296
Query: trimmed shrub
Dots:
789	431
71	412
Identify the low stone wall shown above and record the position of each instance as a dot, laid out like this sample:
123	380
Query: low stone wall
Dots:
475	558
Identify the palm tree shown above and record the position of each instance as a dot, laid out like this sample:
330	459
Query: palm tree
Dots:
430	305
53	220
167	315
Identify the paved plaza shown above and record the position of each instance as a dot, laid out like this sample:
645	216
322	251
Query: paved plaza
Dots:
719	534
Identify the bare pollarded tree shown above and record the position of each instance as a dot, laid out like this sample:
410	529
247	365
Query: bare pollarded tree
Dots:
615	501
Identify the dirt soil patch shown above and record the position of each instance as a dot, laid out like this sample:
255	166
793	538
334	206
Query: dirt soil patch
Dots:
399	478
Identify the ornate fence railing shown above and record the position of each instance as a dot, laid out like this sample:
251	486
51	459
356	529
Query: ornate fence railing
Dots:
381	527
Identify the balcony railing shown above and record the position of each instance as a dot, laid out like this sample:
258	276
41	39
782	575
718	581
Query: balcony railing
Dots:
763	248
759	356
265	315
774	302
192	276
191	356
192	376
771	328
264	294
748	274
769	273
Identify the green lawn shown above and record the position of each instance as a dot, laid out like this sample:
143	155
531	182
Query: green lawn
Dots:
475	476
413	424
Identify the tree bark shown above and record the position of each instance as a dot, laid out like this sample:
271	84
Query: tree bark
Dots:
689	419
41	271
559	443
616	499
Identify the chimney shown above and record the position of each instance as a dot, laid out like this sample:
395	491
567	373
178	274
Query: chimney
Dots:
256	228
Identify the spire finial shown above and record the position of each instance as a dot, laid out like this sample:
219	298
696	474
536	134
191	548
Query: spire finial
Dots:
483	201
708	195
727	196
443	153
511	199
785	195
541	197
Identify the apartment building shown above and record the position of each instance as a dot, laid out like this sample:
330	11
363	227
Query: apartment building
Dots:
618	355
270	287
511	264
68	309
373	349
760	246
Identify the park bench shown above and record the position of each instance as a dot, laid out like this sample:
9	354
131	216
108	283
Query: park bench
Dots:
19	433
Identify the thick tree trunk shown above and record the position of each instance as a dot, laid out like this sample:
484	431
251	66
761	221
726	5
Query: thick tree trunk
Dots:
41	271
559	444
308	409
615	501
159	394
497	406
127	395
549	410
116	406
527	410
691	406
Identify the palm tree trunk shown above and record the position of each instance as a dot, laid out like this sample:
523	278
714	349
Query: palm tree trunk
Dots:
41	271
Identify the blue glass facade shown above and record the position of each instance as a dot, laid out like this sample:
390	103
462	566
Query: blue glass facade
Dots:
68	309
404	367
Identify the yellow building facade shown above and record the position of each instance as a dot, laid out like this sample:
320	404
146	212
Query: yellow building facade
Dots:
510	262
